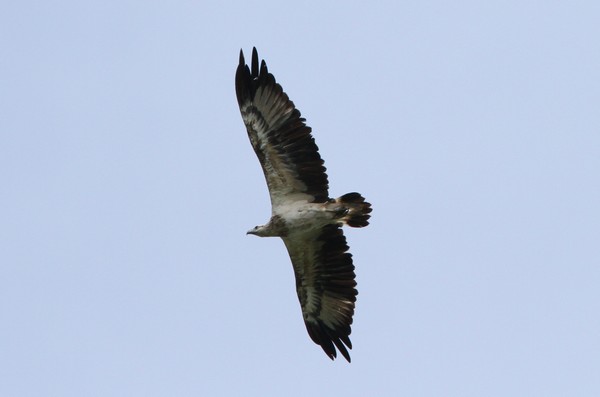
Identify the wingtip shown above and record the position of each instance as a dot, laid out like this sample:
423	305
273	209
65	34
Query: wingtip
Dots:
344	352
263	68
254	62
329	341
242	60
333	355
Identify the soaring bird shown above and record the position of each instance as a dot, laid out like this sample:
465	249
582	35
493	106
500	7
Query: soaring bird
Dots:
308	221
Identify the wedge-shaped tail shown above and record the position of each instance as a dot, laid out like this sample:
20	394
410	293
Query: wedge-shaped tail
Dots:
357	212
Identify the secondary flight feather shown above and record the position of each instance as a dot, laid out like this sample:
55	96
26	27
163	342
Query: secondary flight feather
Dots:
308	221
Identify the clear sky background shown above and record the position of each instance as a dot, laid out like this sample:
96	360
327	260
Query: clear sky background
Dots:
127	184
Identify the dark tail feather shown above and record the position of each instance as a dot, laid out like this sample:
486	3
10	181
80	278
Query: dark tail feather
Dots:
358	209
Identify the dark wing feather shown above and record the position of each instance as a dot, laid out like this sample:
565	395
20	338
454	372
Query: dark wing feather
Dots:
282	141
325	283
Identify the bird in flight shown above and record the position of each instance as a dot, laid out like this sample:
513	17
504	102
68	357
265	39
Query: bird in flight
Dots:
308	221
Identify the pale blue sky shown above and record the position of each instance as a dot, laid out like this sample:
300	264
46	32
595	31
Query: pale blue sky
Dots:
127	184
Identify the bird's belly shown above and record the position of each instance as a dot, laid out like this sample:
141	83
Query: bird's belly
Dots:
306	216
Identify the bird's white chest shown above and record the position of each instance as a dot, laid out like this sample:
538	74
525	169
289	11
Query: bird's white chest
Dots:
302	215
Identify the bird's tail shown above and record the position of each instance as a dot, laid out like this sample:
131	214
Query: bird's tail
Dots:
356	209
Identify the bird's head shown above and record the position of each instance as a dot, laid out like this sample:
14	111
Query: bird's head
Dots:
256	230
261	231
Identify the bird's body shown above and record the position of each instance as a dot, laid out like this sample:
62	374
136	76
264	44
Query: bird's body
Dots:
303	215
299	217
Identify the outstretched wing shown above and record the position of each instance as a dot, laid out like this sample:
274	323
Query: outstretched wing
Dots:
325	283
282	141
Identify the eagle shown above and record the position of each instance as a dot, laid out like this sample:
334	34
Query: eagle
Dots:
302	214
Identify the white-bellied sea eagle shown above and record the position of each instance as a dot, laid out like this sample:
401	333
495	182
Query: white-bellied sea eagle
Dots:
308	221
